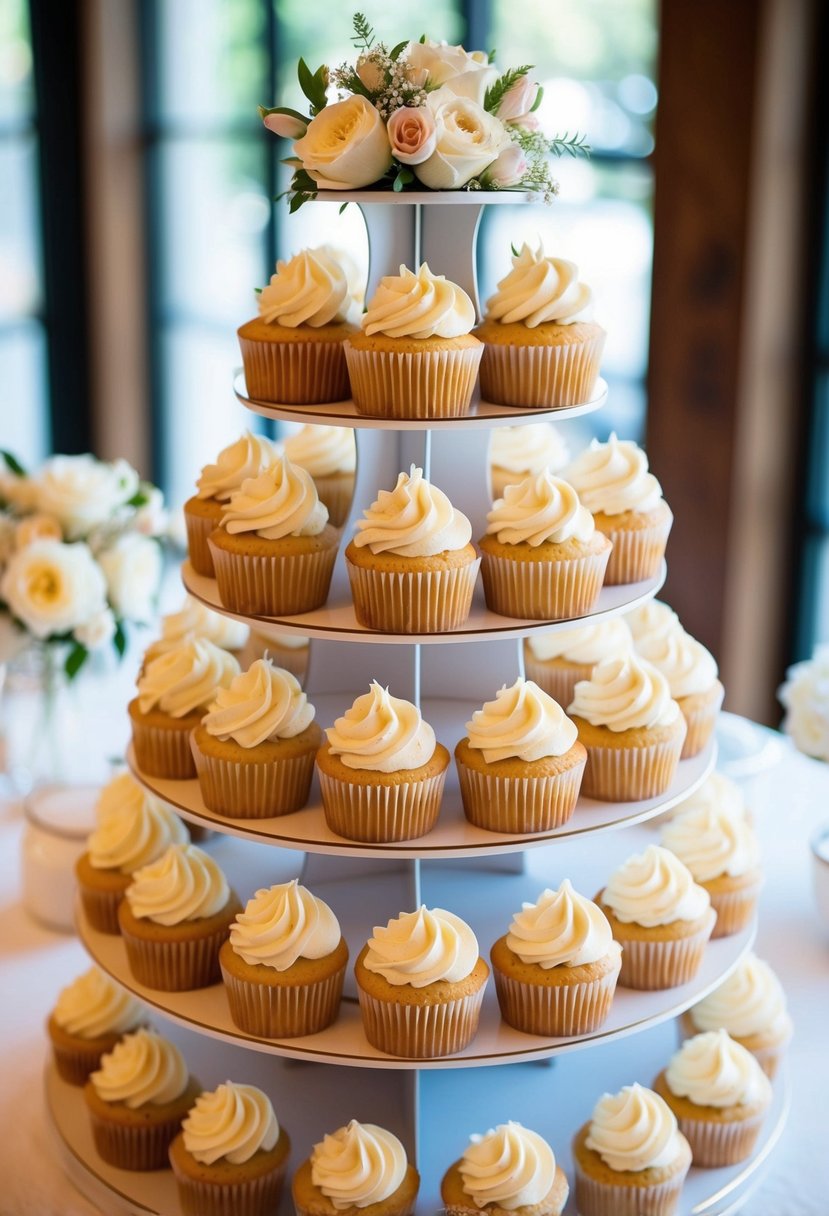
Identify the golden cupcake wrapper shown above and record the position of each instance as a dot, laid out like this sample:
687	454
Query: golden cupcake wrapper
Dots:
101	908
653	965
175	966
595	1198
273	586
717	1144
427	384
421	1032
734	909
399	1209
163	753
337	493
74	1064
422	601
518	804
255	790
245	1197
555	1011
295	373
543	591
283	1011
769	1058
542	377
555	681
135	1147
199	528
628	774
637	553
381	814
700	725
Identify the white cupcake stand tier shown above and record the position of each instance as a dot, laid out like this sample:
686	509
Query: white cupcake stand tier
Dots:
433	1105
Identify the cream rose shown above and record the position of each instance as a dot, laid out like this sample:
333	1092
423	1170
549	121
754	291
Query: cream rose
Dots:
412	134
465	73
151	518
37	527
132	568
345	146
53	588
468	141
805	697
97	631
83	492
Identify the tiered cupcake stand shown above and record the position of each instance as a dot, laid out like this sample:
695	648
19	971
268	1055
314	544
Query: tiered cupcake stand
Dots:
318	1082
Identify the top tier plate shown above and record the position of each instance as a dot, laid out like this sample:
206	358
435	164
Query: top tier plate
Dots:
443	198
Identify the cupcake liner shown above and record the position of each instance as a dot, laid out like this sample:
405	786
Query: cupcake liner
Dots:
337	493
734	909
421	1032
295	373
637	552
555	1010
134	1146
700	723
175	966
74	1064
652	965
243	1197
427	384
628	774
596	1198
101	908
381	814
283	1011
255	790
518	804
420	601
717	1144
543	590
199	528
253	585
557	682
542	377
162	751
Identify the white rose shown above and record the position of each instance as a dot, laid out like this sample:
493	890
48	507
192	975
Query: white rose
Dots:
805	697
371	73
97	631
345	146
37	527
468	140
151	519
132	568
52	587
83	492
465	73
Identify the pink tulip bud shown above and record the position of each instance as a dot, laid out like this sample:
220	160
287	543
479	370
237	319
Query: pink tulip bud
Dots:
518	100
509	169
285	125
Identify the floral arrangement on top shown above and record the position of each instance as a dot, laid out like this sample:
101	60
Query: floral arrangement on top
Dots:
423	114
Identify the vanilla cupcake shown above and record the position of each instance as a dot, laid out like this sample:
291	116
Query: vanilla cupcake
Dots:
557	660
612	481
293	351
174	917
421	980
556	967
329	454
630	1158
517	451
521	764
632	729
174	691
196	620
691	672
542	346
509	1169
357	1167
90	1016
274	549
133	828
652	619
415	357
411	566
284	963
255	747
381	770
717	793
249	456
661	918
542	557
720	1096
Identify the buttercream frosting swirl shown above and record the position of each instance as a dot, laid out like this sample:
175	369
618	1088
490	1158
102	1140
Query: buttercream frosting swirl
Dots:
539	290
311	288
423	947
651	619
529	448
283	923
541	509
94	1005
623	694
712	1070
382	733
633	1130
323	451
509	1166
561	929
141	1068
358	1165
718	793
281	501
585	644
185	679
415	519
249	456
418	304
613	477
749	1001
133	827
654	888
684	662
183	884
231	1123
523	721
196	620
712	841
261	704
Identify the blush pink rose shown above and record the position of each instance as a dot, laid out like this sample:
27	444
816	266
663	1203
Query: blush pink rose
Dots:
518	100
412	134
509	169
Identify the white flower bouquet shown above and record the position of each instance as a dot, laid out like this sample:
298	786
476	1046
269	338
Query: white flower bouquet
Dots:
805	698
421	115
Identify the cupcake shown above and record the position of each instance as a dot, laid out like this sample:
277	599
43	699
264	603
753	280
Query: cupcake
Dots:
284	964
556	968
632	729
542	346
329	454
415	356
137	1100
358	1167
421	981
290	651
508	1169
133	829
717	793
381	771
255	747
720	1096
691	672
90	1016
751	1005
651	619
630	1158
274	550
542	557
230	1155
293	351
411	565
196	620
174	691
612	480
521	764
722	852
247	457
557	660
174	918
661	918
515	452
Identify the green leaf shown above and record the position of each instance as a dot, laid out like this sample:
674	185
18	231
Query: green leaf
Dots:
342	208
395	50
495	95
422	39
306	79
264	111
404	176
539	94
363	35
75	660
13	464
515	252
573	145
491	56
139	499
119	639
313	85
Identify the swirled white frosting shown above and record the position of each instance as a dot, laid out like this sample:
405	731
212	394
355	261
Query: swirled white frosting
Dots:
522	721
323	451
586	644
281	501
94	1005
141	1068
539	290
418	304
654	888
283	923
358	1165
133	827
231	1123
717	793
529	448
184	884
652	619
509	1166
382	734
422	947
196	620
415	519
711	842
613	477
623	694
539	510
561	929
260	704
185	678
249	456
750	1001
684	662
311	288
712	1070
633	1130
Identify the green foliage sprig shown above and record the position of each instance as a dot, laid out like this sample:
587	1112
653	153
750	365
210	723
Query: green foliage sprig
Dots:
495	93
363	36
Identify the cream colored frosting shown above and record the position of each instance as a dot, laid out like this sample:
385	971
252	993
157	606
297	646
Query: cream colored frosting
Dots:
684	662
529	448
539	290
261	704
249	456
717	793
539	510
523	721
418	304
712	1070
652	619
133	827
613	477
196	620
654	888
311	288
281	501
231	1123
185	679
323	451
633	1130
586	644
184	884
623	694
288	641
358	1165
382	734
422	947
283	923
711	842
561	929
750	1001
94	1005
415	519
509	1167
141	1068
